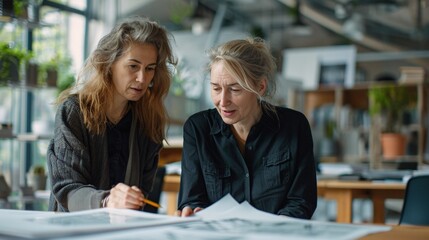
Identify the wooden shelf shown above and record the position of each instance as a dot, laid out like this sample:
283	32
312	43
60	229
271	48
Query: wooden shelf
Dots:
356	99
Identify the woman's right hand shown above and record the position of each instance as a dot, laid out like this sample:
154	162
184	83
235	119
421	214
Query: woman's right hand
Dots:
124	196
187	211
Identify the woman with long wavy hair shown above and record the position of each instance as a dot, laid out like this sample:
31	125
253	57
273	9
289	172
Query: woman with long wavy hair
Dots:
109	127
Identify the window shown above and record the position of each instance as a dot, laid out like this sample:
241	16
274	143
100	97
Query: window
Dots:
29	109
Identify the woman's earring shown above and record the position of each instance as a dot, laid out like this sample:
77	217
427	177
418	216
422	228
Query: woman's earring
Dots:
150	84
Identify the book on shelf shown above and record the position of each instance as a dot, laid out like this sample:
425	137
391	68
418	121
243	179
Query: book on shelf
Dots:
412	75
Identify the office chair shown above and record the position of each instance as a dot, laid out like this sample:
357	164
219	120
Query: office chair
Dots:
155	194
415	210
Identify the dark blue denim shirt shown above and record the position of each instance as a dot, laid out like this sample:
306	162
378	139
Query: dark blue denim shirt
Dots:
275	174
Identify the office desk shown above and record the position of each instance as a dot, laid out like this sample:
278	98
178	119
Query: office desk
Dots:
169	154
401	233
343	192
171	188
172	151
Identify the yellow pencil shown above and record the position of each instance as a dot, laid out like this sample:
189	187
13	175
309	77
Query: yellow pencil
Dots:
153	204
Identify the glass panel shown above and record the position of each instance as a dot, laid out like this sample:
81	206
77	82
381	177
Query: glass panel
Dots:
78	4
6	149
31	109
5	105
55	44
13	34
7	32
43	112
42	124
10	154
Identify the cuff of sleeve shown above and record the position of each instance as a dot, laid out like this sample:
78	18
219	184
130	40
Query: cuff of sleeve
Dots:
104	202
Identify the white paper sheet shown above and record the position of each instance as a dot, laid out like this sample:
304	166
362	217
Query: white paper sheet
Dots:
241	229
226	219
244	220
36	225
227	203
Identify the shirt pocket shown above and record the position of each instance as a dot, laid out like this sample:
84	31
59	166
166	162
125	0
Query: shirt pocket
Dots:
217	180
277	168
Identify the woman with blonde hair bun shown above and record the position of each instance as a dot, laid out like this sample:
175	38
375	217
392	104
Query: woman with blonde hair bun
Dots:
245	146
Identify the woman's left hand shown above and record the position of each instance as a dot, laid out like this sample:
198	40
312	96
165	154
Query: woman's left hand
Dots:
187	211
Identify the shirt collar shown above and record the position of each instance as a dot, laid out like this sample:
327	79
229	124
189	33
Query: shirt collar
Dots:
218	124
269	120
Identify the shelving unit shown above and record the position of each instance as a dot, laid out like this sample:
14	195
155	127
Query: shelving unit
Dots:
24	146
13	157
348	107
19	151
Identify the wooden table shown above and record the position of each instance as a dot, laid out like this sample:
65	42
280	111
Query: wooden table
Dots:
171	188
343	192
171	152
401	233
338	190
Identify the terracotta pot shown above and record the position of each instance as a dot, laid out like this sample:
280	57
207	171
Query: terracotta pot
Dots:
393	145
31	74
12	76
51	79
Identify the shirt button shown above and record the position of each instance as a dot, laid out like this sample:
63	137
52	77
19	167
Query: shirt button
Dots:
250	147
247	174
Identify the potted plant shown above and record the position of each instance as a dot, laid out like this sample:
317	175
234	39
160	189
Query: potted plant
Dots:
20	8
55	71
31	73
36	177
389	103
48	73
10	62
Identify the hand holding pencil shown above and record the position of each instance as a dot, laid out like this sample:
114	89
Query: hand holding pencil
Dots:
124	196
152	203
147	201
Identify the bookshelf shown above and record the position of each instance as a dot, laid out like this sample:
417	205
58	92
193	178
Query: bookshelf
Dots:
356	132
